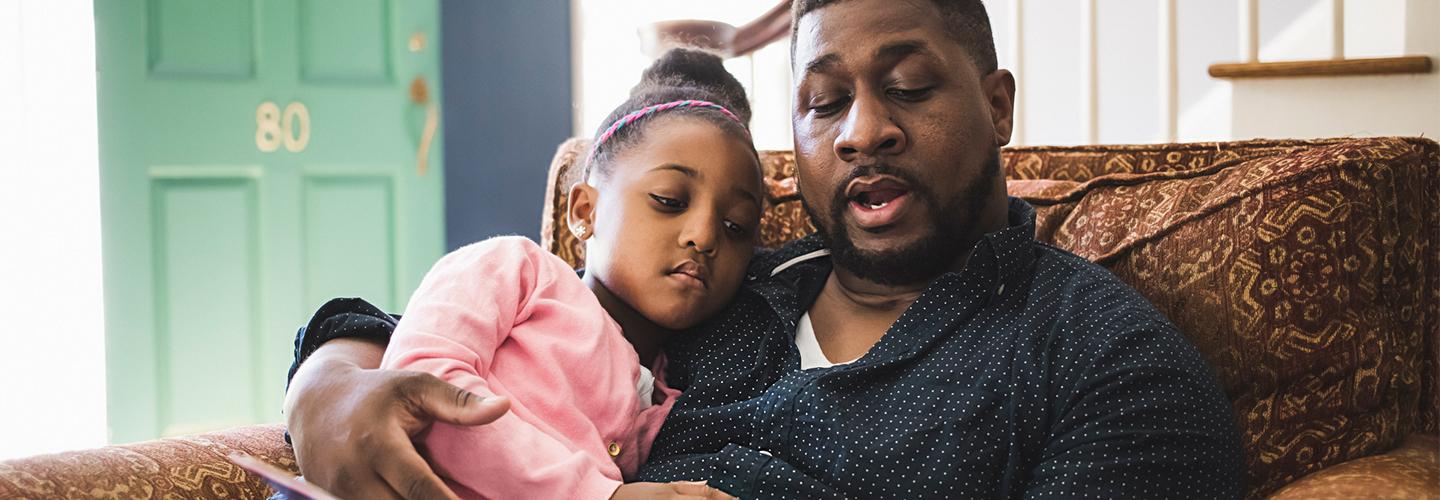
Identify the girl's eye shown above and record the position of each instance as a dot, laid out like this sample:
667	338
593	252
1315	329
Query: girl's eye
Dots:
735	229
668	203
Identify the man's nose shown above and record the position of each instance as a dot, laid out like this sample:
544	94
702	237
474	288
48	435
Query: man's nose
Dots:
868	131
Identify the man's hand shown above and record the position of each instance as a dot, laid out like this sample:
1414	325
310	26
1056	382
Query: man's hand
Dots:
670	491
352	425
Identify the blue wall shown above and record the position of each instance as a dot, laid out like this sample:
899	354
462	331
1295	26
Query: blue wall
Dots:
506	73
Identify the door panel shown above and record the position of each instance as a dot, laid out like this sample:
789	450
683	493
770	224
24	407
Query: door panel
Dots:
188	38
205	232
350	49
217	248
344	213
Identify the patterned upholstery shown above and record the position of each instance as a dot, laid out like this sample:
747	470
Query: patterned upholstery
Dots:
186	467
1304	276
1307	272
1410	472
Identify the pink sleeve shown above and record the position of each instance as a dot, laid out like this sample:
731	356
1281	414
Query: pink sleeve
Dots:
462	311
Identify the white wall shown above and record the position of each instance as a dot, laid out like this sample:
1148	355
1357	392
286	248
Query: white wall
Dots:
1356	105
1207	32
52	343
1212	109
1050	93
609	60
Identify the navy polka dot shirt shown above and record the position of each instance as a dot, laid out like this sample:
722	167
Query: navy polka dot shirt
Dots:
1032	373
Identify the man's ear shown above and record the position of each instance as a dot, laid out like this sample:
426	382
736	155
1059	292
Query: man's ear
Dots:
999	87
580	210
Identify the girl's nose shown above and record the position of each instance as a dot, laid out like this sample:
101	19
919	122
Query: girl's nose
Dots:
700	235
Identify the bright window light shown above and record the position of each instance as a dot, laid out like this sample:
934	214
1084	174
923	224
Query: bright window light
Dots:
52	348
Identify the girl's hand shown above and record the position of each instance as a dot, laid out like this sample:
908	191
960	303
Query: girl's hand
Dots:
677	490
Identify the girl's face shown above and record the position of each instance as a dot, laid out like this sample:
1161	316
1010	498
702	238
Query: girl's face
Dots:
673	225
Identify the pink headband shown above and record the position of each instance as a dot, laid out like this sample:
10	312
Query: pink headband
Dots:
656	108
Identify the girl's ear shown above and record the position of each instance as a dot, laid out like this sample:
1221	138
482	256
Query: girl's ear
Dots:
580	210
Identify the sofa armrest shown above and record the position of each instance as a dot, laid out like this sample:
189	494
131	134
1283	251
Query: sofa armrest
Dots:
1410	471
194	466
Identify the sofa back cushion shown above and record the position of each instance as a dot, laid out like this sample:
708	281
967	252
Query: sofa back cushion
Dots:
1306	272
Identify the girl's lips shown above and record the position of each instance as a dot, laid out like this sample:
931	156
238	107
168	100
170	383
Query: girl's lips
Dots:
688	280
692	272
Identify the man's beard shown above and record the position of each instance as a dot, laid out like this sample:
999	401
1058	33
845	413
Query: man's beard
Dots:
956	229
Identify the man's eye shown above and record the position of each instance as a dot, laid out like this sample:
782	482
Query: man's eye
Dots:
826	107
669	203
910	94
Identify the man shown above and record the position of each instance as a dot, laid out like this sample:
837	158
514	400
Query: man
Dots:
923	344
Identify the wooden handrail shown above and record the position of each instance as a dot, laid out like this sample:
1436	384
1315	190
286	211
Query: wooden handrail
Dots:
1326	67
721	38
769	28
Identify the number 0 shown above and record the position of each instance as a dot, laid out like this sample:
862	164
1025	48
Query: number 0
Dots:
296	112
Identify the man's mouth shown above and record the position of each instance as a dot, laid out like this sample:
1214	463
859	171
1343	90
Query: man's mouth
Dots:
877	201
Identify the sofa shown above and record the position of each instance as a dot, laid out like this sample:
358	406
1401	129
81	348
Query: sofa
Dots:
1306	272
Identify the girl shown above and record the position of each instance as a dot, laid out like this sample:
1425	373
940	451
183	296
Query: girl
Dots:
668	207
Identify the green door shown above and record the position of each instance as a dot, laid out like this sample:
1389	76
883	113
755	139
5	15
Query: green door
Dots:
257	157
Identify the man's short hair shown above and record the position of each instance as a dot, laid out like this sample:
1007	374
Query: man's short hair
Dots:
965	20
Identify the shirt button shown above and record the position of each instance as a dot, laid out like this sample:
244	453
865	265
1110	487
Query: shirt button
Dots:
766	453
614	449
1001	290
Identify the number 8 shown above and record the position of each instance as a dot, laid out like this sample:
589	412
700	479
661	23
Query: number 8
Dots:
267	127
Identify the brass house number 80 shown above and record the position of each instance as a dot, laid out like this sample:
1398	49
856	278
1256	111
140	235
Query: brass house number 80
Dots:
272	128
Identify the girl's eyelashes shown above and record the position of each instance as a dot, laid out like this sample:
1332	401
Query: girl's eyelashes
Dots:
675	205
667	203
735	229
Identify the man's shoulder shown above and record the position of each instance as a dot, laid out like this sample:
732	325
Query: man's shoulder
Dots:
1102	323
767	261
1088	292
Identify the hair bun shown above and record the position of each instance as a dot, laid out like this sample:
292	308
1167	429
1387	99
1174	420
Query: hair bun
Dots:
689	70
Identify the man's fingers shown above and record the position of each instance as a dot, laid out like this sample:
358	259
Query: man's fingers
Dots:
407	473
698	489
450	404
372	487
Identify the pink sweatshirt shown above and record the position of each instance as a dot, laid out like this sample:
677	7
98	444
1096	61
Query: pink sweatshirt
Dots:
505	317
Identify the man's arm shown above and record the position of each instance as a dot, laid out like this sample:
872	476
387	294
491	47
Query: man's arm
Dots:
739	471
352	425
1142	417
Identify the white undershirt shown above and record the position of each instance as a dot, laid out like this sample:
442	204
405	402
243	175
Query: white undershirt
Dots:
645	387
810	354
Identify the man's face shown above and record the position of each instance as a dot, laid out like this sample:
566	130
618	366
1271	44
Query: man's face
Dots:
897	137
